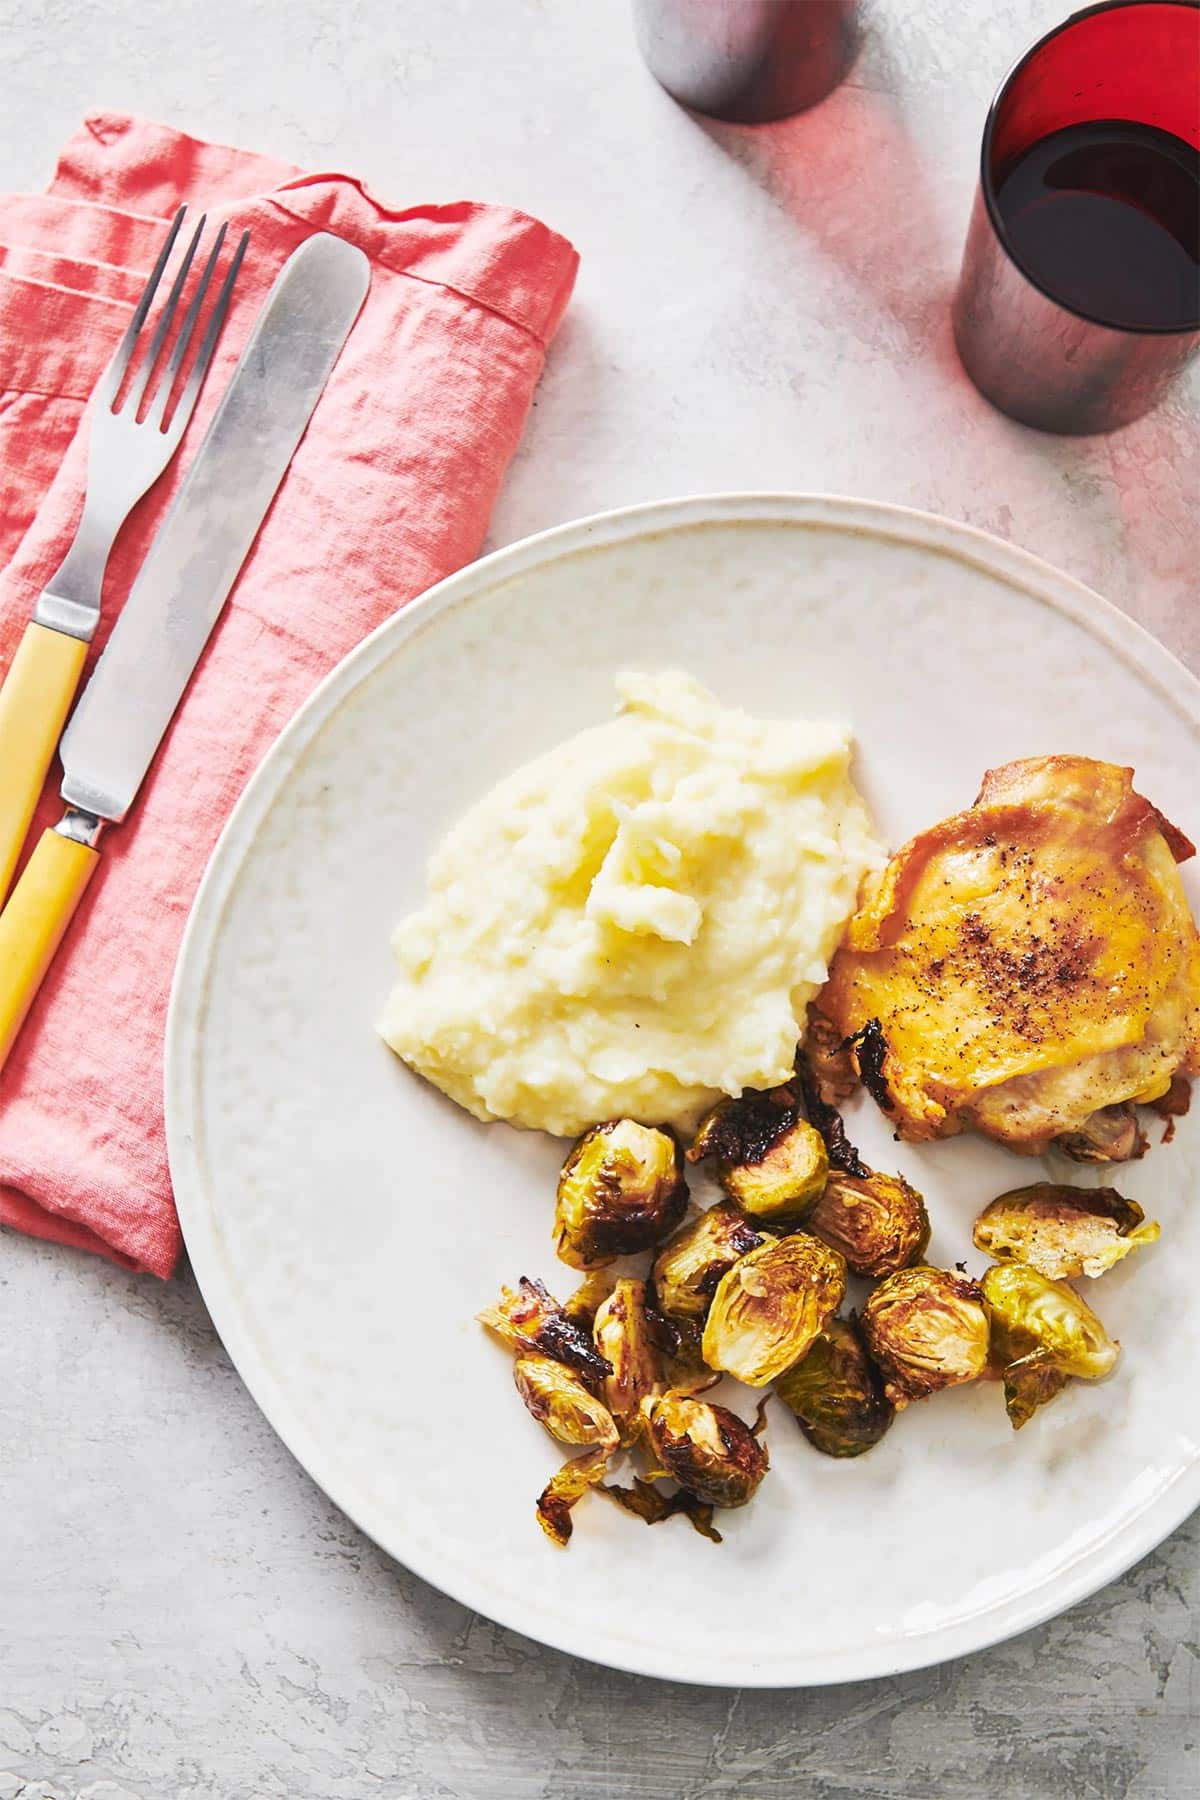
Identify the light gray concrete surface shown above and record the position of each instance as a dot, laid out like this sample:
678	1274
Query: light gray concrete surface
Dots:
182	1615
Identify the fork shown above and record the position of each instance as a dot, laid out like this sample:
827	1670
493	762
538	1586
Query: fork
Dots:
126	456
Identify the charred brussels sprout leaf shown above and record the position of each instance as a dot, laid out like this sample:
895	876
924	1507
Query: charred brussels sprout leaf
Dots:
650	1504
828	1121
878	1222
771	1305
1062	1231
621	1190
1029	1383
689	1266
563	1490
870	1052
630	1340
836	1393
1042	1334
706	1448
530	1318
927	1329
769	1158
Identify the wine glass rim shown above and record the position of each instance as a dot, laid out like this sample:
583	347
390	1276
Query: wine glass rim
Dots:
988	188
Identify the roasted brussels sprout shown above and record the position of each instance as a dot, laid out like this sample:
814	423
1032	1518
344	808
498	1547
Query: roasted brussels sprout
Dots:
531	1319
927	1329
559	1401
836	1392
1042	1333
629	1339
689	1265
563	1490
708	1449
1062	1231
769	1158
878	1222
771	1305
621	1190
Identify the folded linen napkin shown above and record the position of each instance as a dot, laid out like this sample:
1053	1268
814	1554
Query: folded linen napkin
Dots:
391	489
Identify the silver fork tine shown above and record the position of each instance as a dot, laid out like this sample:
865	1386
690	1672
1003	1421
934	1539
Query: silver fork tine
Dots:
110	382
137	386
157	411
187	399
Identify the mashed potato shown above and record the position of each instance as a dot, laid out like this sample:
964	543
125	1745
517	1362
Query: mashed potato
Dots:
634	923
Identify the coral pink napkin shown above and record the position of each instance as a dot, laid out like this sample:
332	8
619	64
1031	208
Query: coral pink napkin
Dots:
390	490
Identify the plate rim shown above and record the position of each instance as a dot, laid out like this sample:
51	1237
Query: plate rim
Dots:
1106	1560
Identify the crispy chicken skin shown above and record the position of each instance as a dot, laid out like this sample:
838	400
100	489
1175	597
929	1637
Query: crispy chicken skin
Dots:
1031	963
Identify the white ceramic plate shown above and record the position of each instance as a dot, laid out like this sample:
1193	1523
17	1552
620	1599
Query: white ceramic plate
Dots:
345	1222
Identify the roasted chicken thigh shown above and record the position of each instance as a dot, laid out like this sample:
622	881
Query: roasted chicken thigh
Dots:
1028	968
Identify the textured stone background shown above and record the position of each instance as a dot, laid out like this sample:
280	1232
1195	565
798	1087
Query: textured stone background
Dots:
182	1615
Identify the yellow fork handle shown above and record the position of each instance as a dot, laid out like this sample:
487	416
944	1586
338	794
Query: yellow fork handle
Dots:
34	703
32	924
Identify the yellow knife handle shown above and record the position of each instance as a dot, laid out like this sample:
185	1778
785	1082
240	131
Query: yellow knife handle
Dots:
34	703
32	924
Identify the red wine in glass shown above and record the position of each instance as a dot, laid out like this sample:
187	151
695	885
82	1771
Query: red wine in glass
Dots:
1105	216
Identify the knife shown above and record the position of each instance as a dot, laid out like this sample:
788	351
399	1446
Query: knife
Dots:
177	597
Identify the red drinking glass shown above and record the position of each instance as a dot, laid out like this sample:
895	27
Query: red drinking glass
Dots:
1079	299
747	61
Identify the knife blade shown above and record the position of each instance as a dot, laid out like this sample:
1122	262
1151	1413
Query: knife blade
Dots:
204	539
178	596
